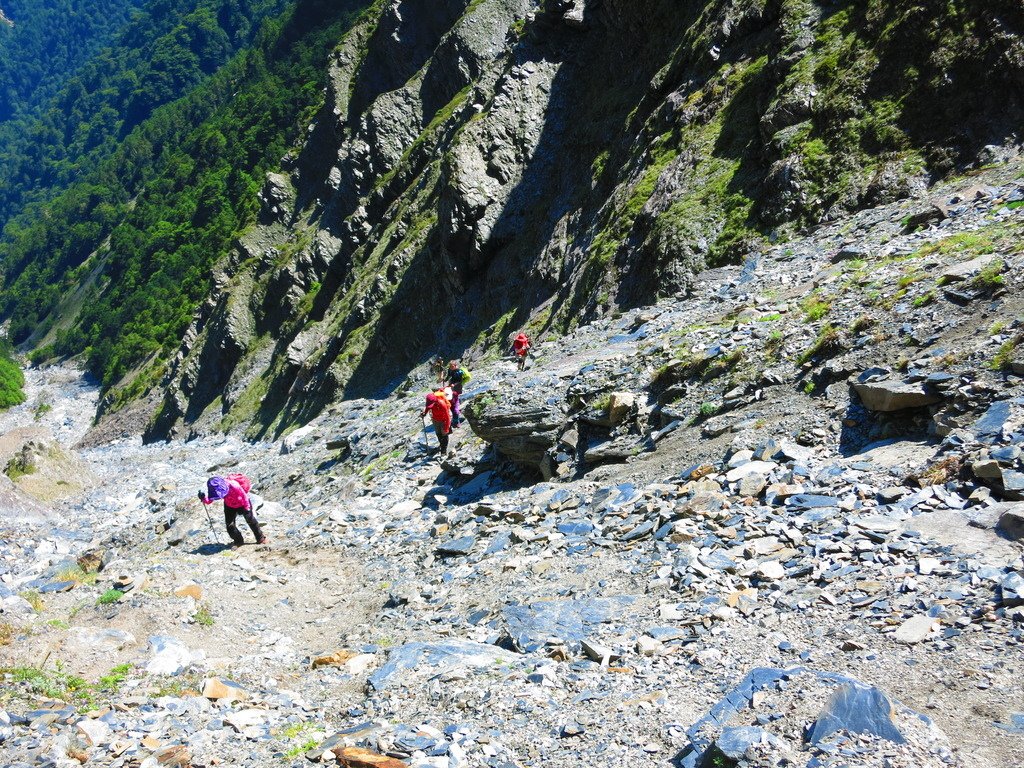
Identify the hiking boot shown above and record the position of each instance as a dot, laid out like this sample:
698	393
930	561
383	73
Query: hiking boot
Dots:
262	541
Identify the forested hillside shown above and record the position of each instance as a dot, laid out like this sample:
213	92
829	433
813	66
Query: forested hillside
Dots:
48	42
171	197
168	48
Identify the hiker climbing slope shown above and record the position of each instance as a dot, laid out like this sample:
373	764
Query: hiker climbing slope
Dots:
520	348
232	489
441	415
456	379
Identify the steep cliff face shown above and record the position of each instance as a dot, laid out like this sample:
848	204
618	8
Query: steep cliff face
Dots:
483	166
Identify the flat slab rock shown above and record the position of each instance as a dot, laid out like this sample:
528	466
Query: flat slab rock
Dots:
531	625
894	395
413	659
915	629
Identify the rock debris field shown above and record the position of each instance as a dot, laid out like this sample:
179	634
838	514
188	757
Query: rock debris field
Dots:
774	522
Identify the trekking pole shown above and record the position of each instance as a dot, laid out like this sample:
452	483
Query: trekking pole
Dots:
216	538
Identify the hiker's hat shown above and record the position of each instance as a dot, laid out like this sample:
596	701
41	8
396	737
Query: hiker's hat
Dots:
216	488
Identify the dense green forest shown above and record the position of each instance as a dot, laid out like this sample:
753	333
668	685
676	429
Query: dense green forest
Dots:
11	378
50	40
171	197
166	49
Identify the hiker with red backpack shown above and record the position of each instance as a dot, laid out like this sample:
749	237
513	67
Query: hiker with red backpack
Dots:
441	415
520	346
234	491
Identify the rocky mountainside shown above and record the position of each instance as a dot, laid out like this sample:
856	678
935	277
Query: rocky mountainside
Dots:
776	522
479	167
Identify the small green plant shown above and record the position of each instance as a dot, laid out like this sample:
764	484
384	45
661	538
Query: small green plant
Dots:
990	278
1005	354
997	327
6	633
829	342
58	624
808	387
111	682
815	308
301	749
861	324
923	300
109	597
707	410
34	599
203	617
41	410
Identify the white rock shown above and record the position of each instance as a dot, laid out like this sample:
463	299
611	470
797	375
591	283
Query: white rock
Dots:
170	656
94	732
761	467
245	718
915	629
772	569
648	646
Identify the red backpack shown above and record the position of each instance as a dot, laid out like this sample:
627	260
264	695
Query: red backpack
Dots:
241	479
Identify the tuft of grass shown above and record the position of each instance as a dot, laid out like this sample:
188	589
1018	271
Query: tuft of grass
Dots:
300	749
61	685
808	387
942	471
203	617
861	324
923	300
109	597
829	342
77	575
815	308
6	633
111	682
34	599
1004	355
990	278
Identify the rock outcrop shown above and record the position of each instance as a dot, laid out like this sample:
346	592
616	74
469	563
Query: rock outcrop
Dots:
480	167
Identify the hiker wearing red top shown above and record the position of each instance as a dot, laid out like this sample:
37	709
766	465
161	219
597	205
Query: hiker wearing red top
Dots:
236	502
520	346
441	415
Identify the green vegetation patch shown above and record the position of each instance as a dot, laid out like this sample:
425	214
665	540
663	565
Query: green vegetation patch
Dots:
109	597
28	683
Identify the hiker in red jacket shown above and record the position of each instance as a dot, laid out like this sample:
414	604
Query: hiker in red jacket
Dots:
441	415
520	346
236	502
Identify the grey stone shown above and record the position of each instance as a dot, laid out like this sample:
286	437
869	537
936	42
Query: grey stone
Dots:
1011	521
434	658
892	395
530	626
856	708
456	547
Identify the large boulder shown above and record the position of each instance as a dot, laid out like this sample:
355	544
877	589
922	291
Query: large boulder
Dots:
523	427
882	394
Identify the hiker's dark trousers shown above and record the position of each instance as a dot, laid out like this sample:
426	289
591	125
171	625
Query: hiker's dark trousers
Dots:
230	513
